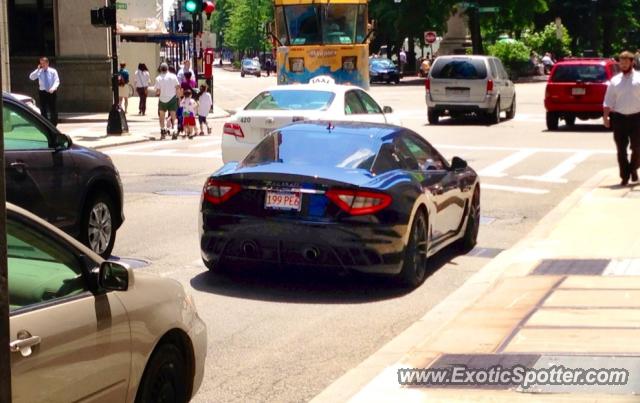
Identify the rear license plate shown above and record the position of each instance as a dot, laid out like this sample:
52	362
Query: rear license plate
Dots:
457	91
578	91
385	76
282	200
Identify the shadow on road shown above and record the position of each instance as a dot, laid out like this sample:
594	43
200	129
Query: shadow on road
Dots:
580	128
303	285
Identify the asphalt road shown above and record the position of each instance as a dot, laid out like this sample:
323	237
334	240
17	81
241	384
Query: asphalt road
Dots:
285	336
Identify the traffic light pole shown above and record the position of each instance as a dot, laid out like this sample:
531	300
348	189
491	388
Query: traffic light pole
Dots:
117	123
194	18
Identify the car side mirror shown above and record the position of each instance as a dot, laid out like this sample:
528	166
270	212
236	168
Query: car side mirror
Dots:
458	164
387	109
63	142
114	276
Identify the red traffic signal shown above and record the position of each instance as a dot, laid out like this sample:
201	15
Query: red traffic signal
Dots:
208	7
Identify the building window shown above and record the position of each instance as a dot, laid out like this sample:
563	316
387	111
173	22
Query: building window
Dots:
31	28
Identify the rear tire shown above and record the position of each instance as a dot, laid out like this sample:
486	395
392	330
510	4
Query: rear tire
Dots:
470	238
98	227
552	121
164	379
493	117
216	268
570	120
511	112
433	116
414	267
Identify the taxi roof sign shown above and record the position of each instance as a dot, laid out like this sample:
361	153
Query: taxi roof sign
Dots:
322	80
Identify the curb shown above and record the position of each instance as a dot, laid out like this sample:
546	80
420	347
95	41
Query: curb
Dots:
349	384
102	146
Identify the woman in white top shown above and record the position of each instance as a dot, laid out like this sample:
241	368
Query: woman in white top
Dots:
142	81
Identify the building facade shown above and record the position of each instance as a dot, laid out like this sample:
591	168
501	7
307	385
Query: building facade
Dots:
62	31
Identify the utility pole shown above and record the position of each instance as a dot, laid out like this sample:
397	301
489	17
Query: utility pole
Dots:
5	336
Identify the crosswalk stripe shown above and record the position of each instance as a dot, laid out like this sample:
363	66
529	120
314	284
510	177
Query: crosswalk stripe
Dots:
497	169
556	174
515	189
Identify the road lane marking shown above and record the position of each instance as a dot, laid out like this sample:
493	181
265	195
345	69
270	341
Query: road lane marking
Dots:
515	189
170	153
496	170
556	175
535	149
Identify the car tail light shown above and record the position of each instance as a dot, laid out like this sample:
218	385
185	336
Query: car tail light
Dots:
233	129
217	191
489	86
356	202
427	85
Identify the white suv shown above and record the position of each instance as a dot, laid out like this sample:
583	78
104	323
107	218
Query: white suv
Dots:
459	85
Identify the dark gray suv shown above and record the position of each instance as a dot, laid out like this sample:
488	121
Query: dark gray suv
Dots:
75	188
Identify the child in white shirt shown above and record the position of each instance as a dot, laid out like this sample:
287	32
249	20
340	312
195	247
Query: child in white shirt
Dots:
189	110
205	102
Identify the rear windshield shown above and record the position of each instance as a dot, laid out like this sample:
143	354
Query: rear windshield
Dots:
291	100
249	62
578	73
459	68
315	149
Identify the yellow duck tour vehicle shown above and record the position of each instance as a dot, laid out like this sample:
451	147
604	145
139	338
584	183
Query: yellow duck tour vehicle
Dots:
322	41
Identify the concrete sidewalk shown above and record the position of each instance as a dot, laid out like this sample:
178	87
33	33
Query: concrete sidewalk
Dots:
568	294
89	129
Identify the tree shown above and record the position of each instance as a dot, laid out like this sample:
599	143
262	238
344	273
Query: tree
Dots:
547	40
243	30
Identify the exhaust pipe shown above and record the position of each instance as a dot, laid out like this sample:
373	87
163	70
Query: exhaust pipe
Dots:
249	248
311	253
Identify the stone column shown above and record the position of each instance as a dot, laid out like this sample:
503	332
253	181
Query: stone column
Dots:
4	47
457	38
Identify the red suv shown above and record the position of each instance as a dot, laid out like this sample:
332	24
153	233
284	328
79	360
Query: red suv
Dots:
576	89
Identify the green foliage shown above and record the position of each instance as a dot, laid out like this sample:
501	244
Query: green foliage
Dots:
547	40
514	55
242	22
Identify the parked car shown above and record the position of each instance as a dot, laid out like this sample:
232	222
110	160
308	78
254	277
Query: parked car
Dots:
354	196
383	70
459	85
75	188
27	100
85	329
251	67
281	105
576	89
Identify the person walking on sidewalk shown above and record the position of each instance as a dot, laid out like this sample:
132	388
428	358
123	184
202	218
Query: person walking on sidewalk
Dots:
123	81
142	80
167	88
186	67
48	83
205	102
622	112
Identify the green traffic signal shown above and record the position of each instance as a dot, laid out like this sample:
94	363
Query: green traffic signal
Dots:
193	6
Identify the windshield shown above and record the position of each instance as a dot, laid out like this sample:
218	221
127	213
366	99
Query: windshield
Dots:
316	149
321	24
459	68
249	62
575	73
291	100
382	63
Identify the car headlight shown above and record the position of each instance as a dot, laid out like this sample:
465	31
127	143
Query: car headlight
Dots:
296	64
349	63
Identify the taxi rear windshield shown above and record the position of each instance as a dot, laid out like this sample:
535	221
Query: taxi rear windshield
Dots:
318	149
459	68
291	100
577	73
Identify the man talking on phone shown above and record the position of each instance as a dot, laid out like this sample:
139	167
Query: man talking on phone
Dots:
48	83
622	112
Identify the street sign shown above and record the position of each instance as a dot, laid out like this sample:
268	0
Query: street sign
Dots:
488	9
430	36
121	6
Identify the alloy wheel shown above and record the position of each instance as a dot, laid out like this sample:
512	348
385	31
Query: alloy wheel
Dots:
100	227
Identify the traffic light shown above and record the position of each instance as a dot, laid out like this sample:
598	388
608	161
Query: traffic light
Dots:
193	6
209	7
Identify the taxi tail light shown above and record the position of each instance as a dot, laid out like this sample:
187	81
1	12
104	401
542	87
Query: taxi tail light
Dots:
357	202
217	191
233	129
427	84
489	86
